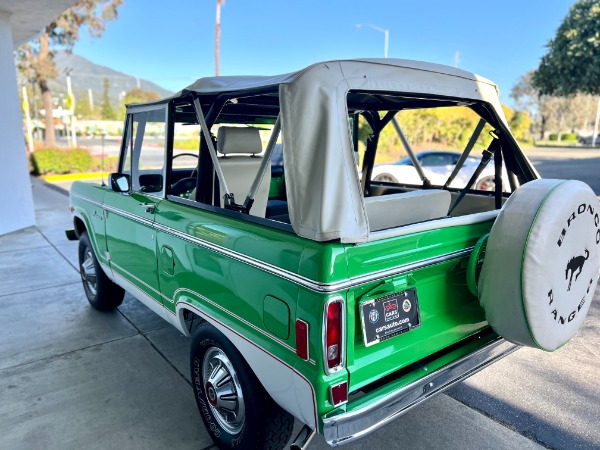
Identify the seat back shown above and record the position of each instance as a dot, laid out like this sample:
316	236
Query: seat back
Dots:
240	163
395	210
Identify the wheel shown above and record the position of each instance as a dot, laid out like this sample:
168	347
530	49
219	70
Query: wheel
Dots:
486	184
100	291
386	178
235	408
542	262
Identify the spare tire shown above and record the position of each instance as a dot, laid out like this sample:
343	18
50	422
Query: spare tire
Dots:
542	263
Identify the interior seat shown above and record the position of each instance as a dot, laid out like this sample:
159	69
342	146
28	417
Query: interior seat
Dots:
395	210
239	147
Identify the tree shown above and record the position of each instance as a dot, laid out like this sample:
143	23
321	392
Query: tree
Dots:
572	64
36	60
552	112
136	95
83	109
107	111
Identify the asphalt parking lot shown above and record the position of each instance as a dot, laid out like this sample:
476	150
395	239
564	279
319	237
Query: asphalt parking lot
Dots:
73	377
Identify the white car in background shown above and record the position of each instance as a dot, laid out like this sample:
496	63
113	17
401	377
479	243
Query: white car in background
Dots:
437	166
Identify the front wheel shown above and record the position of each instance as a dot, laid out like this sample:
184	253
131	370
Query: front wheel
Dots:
100	291
235	408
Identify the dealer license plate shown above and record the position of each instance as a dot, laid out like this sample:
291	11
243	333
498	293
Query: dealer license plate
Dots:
389	316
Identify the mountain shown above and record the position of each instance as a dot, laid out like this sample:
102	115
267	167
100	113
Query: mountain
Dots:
87	75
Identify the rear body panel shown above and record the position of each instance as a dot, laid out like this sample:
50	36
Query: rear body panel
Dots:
448	312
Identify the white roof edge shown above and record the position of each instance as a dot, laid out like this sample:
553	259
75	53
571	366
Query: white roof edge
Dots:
208	85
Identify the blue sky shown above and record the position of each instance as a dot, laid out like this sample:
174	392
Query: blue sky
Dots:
172	43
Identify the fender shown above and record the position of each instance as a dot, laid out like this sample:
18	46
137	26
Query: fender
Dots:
288	387
82	215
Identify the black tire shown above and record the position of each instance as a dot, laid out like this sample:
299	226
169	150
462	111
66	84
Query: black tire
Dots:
247	417
386	178
100	291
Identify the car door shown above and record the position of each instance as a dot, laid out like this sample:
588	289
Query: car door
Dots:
131	236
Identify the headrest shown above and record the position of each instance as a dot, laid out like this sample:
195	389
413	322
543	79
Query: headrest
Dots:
232	140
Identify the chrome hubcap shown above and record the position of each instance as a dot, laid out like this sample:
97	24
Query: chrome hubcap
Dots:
88	272
223	390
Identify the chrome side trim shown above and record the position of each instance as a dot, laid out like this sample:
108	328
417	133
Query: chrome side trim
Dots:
346	427
235	316
317	286
249	260
128	215
87	199
157	292
399	270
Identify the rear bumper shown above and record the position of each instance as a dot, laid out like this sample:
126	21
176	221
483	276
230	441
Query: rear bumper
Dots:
346	427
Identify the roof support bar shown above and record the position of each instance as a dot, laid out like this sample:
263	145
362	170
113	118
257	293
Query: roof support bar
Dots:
466	152
263	165
211	149
410	152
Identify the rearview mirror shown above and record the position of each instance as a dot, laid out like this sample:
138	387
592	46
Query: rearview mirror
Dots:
119	182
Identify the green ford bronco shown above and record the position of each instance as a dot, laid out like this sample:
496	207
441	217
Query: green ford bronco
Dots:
245	212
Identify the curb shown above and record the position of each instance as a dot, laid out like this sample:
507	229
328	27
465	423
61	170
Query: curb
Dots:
75	176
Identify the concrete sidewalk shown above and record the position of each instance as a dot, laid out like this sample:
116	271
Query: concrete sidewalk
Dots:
73	377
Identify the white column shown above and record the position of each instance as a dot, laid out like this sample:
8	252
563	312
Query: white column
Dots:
16	201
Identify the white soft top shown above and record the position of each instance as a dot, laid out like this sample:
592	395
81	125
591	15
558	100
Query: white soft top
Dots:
324	195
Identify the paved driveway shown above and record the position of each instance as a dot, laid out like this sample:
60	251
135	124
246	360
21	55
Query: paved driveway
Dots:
73	377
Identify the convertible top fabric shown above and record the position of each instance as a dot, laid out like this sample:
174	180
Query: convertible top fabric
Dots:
324	195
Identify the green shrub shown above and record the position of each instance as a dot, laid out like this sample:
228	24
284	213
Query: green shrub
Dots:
49	160
109	164
57	161
563	137
79	160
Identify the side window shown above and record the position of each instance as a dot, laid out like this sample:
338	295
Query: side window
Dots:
144	157
186	154
438	159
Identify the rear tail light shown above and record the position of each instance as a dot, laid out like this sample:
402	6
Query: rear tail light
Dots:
333	335
302	339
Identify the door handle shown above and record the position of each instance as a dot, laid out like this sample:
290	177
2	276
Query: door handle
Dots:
150	208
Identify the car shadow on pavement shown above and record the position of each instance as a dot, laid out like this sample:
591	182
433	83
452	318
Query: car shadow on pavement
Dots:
528	424
552	398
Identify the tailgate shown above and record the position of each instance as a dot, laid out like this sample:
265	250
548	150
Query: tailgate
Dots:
422	273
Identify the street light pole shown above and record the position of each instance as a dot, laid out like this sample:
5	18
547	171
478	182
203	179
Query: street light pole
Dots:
386	35
218	37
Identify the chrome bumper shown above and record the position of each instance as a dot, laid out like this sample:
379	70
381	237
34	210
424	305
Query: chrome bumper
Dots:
349	426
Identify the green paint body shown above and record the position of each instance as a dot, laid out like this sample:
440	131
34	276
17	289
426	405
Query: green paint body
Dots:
155	252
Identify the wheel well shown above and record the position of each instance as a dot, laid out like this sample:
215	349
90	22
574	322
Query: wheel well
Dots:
79	226
191	320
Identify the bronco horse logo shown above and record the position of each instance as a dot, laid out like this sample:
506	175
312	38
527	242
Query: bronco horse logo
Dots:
575	264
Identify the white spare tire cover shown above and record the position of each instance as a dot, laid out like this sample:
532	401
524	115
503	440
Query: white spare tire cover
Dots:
542	263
